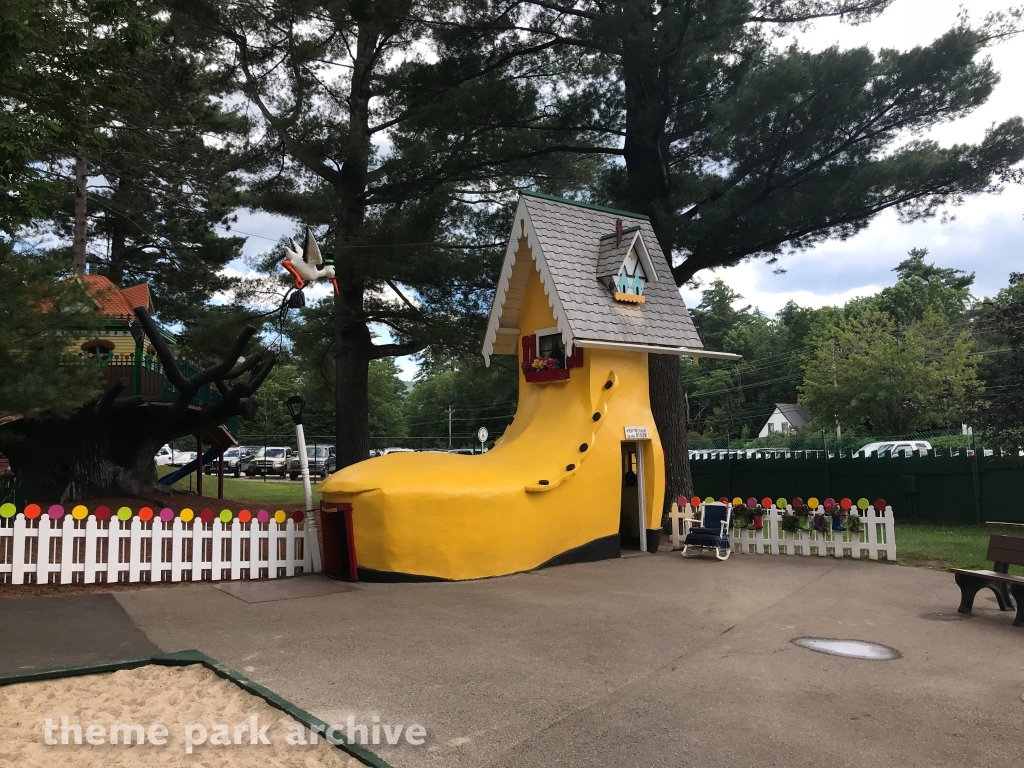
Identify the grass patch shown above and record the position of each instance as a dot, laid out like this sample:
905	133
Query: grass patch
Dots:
950	546
244	489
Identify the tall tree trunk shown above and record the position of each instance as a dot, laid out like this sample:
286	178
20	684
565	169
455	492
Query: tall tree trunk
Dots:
352	339
670	418
118	244
648	189
81	223
353	352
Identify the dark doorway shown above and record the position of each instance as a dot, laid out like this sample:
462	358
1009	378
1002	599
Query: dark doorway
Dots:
630	504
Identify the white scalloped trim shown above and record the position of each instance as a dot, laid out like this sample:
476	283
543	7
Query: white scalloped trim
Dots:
554	302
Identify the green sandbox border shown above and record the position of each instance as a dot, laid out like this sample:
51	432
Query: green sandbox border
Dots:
185	658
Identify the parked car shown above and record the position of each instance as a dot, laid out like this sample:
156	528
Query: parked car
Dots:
386	451
321	461
272	460
166	456
893	449
233	460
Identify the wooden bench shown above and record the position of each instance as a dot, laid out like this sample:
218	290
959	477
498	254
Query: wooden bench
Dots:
1003	551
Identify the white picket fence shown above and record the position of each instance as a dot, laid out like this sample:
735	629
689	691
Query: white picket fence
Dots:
89	551
877	535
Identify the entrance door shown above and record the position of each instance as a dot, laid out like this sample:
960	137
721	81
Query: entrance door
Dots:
632	517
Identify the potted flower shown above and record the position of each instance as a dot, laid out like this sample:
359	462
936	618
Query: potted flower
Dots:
802	513
790	523
541	364
741	516
853	524
756	521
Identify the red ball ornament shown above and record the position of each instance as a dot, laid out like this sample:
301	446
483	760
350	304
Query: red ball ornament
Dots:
206	515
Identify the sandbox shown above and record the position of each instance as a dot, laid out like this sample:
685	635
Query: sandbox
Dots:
176	710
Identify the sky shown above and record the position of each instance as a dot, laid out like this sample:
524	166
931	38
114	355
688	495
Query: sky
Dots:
985	235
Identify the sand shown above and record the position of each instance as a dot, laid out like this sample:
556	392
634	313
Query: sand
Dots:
150	696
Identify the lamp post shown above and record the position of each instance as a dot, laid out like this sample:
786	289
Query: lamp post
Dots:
140	337
295	404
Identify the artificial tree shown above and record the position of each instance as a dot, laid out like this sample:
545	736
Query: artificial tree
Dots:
106	447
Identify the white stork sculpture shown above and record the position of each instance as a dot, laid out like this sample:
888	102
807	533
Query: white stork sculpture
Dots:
306	266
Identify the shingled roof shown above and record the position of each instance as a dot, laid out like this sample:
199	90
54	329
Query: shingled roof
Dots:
565	238
117	302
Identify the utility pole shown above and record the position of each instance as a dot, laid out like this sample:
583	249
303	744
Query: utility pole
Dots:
449	426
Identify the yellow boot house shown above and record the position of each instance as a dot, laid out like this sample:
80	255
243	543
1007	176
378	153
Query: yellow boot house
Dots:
584	296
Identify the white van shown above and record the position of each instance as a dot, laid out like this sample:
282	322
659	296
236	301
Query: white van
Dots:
892	449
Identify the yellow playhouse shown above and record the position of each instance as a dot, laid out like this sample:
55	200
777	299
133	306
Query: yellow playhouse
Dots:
584	296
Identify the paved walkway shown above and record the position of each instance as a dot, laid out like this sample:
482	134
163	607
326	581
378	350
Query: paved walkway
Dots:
62	630
644	661
651	661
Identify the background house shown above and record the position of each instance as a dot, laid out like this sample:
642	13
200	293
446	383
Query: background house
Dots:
787	418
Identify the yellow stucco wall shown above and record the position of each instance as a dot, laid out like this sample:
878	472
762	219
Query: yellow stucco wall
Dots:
462	517
124	344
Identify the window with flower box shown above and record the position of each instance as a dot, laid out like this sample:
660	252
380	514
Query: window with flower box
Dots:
544	358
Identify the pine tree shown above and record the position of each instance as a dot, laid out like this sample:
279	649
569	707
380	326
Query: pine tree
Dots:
394	159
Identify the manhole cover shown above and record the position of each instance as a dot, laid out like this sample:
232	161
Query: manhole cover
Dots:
853	649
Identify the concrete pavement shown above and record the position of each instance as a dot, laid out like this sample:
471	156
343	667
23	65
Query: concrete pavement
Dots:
644	661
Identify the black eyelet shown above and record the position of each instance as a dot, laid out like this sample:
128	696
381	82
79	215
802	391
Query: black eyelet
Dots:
597	417
542	482
608	384
583	447
570	467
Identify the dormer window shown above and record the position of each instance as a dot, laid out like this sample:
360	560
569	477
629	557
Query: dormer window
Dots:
632	278
624	266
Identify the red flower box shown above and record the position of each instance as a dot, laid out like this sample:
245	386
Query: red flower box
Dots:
547	374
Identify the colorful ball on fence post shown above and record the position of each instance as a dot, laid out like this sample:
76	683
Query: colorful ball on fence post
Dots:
862	503
845	504
812	502
167	514
709	500
145	514
245	516
751	502
780	503
262	516
8	510
298	516
124	513
187	515
55	512
206	515
829	503
695	501
80	512
101	513
737	501
32	511
280	516
798	502
226	515
766	502
879	505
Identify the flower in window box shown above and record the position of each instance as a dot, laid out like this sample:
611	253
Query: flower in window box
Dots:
542	364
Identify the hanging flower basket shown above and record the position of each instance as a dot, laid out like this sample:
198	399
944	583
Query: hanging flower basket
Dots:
790	523
741	516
